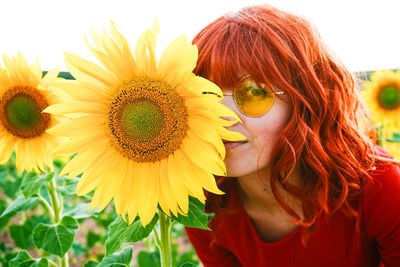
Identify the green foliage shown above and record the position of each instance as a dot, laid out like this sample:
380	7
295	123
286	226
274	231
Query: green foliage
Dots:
38	228
18	205
123	258
149	259
188	258
79	249
196	218
6	254
3	205
105	218
69	187
22	234
32	182
92	238
58	164
19	234
395	138
90	263
10	178
120	232
81	211
152	258
23	259
57	238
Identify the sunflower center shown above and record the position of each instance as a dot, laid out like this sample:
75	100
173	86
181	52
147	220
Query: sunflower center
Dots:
20	113
389	97
147	119
142	119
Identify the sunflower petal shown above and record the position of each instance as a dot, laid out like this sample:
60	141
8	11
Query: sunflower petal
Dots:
49	77
145	51
200	128
177	186
79	92
185	171
200	85
172	68
76	107
165	190
205	156
6	147
76	126
146	185
85	70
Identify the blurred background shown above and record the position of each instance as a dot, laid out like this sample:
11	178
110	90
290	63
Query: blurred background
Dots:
363	33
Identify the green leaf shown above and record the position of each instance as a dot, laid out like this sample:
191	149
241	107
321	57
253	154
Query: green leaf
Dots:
395	138
81	211
69	188
5	260
32	182
120	232
19	204
122	258
6	254
57	238
106	218
20	234
149	259
92	238
23	259
58	164
79	249
187	264
188	258
90	263
3	205
196	217
10	179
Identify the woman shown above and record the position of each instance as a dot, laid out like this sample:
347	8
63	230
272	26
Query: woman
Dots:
307	187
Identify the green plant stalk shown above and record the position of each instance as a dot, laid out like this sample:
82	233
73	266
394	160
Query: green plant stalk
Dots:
380	137
47	207
51	263
164	239
56	201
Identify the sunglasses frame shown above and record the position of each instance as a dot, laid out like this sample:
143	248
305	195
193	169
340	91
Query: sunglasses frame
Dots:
273	90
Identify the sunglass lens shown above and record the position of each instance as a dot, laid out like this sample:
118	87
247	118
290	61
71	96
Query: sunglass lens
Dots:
252	100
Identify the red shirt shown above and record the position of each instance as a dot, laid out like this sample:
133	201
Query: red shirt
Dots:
334	243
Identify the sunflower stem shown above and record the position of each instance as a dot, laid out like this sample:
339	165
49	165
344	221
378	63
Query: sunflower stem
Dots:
64	260
55	200
47	206
57	203
165	240
380	137
156	237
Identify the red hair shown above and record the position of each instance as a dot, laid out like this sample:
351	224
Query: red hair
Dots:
323	133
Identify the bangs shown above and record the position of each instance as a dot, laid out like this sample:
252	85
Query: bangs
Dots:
229	51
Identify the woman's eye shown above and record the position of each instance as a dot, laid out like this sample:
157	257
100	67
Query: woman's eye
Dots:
256	91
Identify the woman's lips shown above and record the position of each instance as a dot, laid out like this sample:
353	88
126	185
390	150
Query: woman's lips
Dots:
231	145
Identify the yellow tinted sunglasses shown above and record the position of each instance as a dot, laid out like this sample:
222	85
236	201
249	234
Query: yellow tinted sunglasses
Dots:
252	99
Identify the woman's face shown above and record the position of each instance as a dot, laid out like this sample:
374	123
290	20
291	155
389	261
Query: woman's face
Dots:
245	158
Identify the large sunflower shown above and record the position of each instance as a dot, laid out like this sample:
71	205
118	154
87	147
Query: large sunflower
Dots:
144	131
23	96
382	96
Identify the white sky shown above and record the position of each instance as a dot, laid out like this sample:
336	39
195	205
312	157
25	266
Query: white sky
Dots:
364	34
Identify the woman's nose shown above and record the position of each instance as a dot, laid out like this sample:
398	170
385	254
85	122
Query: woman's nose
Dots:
230	103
